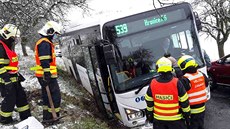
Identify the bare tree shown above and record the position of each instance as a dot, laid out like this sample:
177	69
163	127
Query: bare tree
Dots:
29	15
215	18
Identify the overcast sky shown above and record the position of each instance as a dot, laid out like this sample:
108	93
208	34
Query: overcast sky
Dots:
100	9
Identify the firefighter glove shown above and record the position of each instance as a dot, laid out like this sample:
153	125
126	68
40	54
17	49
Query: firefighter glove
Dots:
47	78
20	78
149	116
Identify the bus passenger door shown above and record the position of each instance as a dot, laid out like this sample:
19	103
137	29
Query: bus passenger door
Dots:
96	82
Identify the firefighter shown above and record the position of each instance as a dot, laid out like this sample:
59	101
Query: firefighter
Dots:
195	84
46	70
166	99
11	88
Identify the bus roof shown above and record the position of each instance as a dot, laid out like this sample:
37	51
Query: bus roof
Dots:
90	22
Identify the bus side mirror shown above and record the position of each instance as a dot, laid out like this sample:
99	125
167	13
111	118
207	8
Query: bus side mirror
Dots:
109	53
198	22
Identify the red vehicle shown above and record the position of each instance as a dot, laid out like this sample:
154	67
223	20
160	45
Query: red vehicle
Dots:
219	73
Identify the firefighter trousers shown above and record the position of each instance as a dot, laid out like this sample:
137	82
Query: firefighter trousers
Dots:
178	124
56	97
197	121
14	95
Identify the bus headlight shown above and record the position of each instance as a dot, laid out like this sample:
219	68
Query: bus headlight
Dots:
133	114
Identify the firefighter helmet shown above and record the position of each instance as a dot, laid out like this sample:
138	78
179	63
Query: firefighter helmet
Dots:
164	65
186	61
50	28
10	30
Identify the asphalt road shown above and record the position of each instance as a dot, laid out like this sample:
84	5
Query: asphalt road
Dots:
218	109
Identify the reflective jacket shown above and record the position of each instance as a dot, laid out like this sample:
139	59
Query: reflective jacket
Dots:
197	93
166	100
11	64
39	70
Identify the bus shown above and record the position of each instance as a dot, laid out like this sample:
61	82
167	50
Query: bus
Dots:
115	59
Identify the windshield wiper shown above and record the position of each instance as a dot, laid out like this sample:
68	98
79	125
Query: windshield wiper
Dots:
147	82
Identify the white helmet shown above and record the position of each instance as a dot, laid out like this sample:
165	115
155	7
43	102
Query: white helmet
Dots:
50	28
10	30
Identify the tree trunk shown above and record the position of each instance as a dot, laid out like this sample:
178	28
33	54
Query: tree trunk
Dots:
24	49
221	49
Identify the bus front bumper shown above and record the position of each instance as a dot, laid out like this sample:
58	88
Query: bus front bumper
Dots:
147	125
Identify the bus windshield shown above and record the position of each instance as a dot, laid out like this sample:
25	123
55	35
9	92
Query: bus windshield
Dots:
138	52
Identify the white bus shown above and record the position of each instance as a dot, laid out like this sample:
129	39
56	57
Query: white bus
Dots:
115	60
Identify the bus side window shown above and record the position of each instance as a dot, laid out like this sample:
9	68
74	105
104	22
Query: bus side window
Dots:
74	42
78	40
183	40
175	40
180	40
69	46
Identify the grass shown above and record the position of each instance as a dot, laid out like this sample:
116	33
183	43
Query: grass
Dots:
90	123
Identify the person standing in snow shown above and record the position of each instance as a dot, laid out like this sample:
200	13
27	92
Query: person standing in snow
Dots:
46	70
11	88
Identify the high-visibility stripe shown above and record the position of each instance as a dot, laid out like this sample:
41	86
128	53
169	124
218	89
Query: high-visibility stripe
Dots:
198	99
166	111
13	79
148	98
192	77
50	110
184	97
37	67
56	109
4	61
54	76
1	80
46	69
149	108
40	72
197	93
198	110
53	70
3	70
168	118
166	105
187	109
5	114
24	108
44	57
11	68
53	67
14	59
45	107
6	83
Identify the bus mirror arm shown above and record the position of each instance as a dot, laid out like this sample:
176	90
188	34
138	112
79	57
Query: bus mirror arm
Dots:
143	85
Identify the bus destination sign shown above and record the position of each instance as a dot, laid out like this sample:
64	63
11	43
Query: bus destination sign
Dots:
150	22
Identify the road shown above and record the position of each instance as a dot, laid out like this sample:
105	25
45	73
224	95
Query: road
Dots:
218	109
